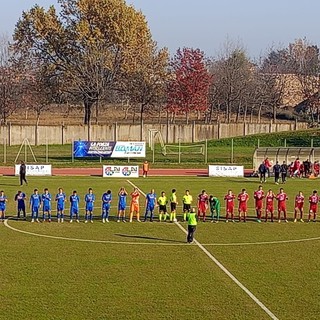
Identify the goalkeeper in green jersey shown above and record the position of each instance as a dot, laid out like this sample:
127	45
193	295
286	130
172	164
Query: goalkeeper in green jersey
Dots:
215	206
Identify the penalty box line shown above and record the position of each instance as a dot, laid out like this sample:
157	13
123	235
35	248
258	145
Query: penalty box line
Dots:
223	268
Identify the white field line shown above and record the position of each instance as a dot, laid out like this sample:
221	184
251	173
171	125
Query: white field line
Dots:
238	244
89	240
224	269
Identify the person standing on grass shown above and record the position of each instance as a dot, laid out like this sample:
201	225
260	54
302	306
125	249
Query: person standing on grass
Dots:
215	206
187	201
203	201
276	171
313	200
268	165
151	201
298	206
284	172
145	169
162	202
89	200
134	205
258	196
3	205
74	206
46	205
35	204
269	204
122	203
243	199
106	203
21	197
22	173
173	205
229	198
192	224
61	200
282	204
262	172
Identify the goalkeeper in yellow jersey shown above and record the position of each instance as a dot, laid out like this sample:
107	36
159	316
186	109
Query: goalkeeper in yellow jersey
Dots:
187	201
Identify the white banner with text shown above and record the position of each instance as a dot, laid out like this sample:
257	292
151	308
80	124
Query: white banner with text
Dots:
35	169
225	171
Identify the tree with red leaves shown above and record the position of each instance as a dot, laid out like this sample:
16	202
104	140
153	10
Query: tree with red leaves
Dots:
189	87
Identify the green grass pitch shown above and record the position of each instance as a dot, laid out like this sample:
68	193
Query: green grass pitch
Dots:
147	271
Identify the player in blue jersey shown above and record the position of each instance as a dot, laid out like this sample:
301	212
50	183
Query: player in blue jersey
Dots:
106	203
35	204
89	200
74	206
61	199
21	197
3	205
122	203
46	205
151	200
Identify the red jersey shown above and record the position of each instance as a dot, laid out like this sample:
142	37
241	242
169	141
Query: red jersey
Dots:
229	199
299	201
203	198
243	197
258	195
313	199
282	197
269	201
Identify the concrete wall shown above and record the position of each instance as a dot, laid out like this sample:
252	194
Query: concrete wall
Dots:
15	134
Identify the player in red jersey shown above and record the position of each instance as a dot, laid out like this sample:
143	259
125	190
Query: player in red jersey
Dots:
269	204
282	204
203	200
258	197
229	198
313	200
243	198
298	206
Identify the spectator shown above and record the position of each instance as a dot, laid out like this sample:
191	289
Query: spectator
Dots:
145	169
268	165
284	171
22	173
262	172
276	171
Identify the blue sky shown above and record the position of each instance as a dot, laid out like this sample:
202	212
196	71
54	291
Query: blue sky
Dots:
207	24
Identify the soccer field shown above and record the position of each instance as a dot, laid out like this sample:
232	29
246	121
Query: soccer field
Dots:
148	271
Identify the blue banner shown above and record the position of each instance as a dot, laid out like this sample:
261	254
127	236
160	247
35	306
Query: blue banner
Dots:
95	149
109	149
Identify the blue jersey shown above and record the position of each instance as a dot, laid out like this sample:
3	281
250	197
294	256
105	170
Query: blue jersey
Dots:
60	198
89	199
35	201
74	201
3	200
20	198
151	200
106	199
46	201
122	201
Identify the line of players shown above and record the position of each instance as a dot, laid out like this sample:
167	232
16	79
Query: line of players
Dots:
204	202
269	197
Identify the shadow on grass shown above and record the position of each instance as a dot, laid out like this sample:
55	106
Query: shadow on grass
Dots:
147	238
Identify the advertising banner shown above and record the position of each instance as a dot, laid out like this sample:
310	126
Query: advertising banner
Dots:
109	149
225	171
35	169
120	172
